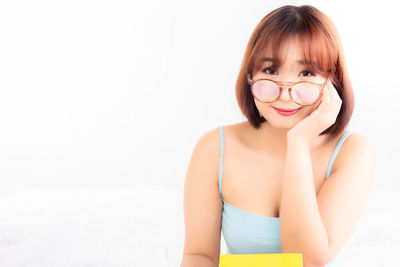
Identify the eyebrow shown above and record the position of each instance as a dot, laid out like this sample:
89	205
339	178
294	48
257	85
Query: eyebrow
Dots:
269	59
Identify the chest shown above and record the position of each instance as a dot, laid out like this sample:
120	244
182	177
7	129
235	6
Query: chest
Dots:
253	182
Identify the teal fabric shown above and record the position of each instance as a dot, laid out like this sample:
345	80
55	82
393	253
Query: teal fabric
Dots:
249	233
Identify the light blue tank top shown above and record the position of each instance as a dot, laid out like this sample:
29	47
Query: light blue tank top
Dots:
248	233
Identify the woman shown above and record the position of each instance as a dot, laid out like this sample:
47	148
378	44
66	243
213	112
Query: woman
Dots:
264	182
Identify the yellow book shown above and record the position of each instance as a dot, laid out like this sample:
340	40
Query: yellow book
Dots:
261	260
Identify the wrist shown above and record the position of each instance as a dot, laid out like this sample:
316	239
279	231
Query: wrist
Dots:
297	141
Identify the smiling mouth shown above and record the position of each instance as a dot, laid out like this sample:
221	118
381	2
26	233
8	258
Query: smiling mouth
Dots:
287	110
286	113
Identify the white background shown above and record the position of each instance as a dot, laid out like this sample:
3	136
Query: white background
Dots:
112	94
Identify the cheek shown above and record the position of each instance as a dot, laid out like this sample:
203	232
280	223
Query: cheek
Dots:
308	110
261	107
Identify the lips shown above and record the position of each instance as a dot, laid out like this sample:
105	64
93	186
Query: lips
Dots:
287	110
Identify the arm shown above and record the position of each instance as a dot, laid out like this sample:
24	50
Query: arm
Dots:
197	260
203	204
319	226
302	228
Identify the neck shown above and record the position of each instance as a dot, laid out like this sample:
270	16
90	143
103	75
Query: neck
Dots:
276	138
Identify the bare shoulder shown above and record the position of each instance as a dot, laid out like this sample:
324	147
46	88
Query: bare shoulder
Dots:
207	151
238	131
210	141
202	200
358	142
209	144
234	130
356	147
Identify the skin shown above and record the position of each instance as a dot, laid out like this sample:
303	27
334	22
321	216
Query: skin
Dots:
277	126
280	171
269	143
300	156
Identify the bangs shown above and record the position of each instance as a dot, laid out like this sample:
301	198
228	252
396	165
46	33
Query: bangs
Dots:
316	43
318	51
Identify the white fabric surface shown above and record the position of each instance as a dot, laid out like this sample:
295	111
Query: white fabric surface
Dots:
143	225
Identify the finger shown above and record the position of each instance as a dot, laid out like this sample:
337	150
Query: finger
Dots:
326	96
335	96
334	91
328	100
336	101
330	89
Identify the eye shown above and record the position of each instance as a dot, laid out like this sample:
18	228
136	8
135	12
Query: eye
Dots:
307	73
269	70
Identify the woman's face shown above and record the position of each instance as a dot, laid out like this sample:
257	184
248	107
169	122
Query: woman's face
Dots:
290	71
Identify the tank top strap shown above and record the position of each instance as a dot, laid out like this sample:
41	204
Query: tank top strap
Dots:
221	138
337	148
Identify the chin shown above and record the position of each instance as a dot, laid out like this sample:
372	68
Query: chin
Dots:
286	122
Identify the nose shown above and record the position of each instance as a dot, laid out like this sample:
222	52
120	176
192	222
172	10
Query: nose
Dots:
285	96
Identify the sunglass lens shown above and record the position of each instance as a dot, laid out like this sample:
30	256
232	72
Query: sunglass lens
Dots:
305	93
265	91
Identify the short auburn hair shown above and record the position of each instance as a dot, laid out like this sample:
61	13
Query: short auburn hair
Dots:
322	52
